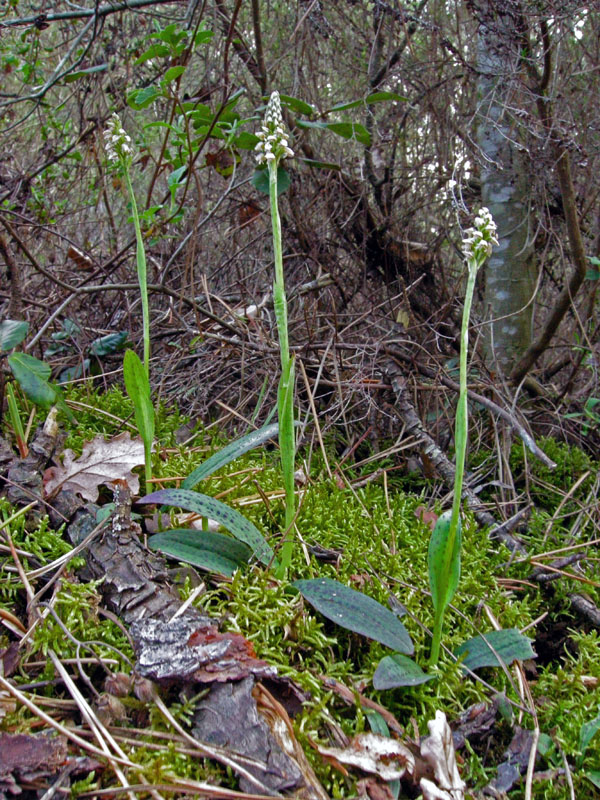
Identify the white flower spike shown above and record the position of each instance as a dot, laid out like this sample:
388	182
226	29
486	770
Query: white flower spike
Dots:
273	142
117	141
478	241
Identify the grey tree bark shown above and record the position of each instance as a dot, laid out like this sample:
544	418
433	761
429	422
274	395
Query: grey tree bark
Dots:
510	274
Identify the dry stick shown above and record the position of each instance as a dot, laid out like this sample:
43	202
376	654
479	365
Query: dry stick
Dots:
218	753
311	401
100	732
484	401
24	700
442	463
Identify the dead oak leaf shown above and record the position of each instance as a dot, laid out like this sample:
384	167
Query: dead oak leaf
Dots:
387	758
100	462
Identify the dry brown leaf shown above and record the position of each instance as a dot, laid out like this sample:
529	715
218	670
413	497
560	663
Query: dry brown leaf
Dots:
387	758
100	462
438	751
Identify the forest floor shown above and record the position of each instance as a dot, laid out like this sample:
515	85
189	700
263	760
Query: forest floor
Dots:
127	673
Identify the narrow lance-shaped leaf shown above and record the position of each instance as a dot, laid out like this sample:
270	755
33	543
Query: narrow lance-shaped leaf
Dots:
138	389
228	517
444	562
214	552
230	453
356	612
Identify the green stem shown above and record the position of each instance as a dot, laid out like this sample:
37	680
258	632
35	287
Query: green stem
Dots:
141	271
460	438
285	400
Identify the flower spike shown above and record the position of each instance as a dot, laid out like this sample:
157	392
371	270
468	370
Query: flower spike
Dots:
273	142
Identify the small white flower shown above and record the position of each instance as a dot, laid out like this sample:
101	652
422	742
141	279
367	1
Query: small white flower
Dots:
478	242
117	141
273	144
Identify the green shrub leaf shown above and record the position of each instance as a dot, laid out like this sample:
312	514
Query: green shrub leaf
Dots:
228	517
299	106
142	98
213	552
398	670
486	650
109	344
351	130
375	97
12	333
356	612
32	375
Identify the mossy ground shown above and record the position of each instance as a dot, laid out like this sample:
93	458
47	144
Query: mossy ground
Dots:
382	548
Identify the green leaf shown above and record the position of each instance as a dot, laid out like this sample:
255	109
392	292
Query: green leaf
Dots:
444	568
154	51
593	775
172	74
32	375
84	73
356	612
484	651
202	37
587	733
376	97
174	179
109	344
12	333
398	670
246	140
592	275
260	180
376	722
138	389
74	373
229	453
228	517
210	551
142	98
351	130
299	106
305	123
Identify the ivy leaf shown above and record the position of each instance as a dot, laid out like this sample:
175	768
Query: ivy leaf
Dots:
356	612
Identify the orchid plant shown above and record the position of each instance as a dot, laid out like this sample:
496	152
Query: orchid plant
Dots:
272	148
119	149
445	543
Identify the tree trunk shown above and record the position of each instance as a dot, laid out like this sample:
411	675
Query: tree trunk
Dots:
510	272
